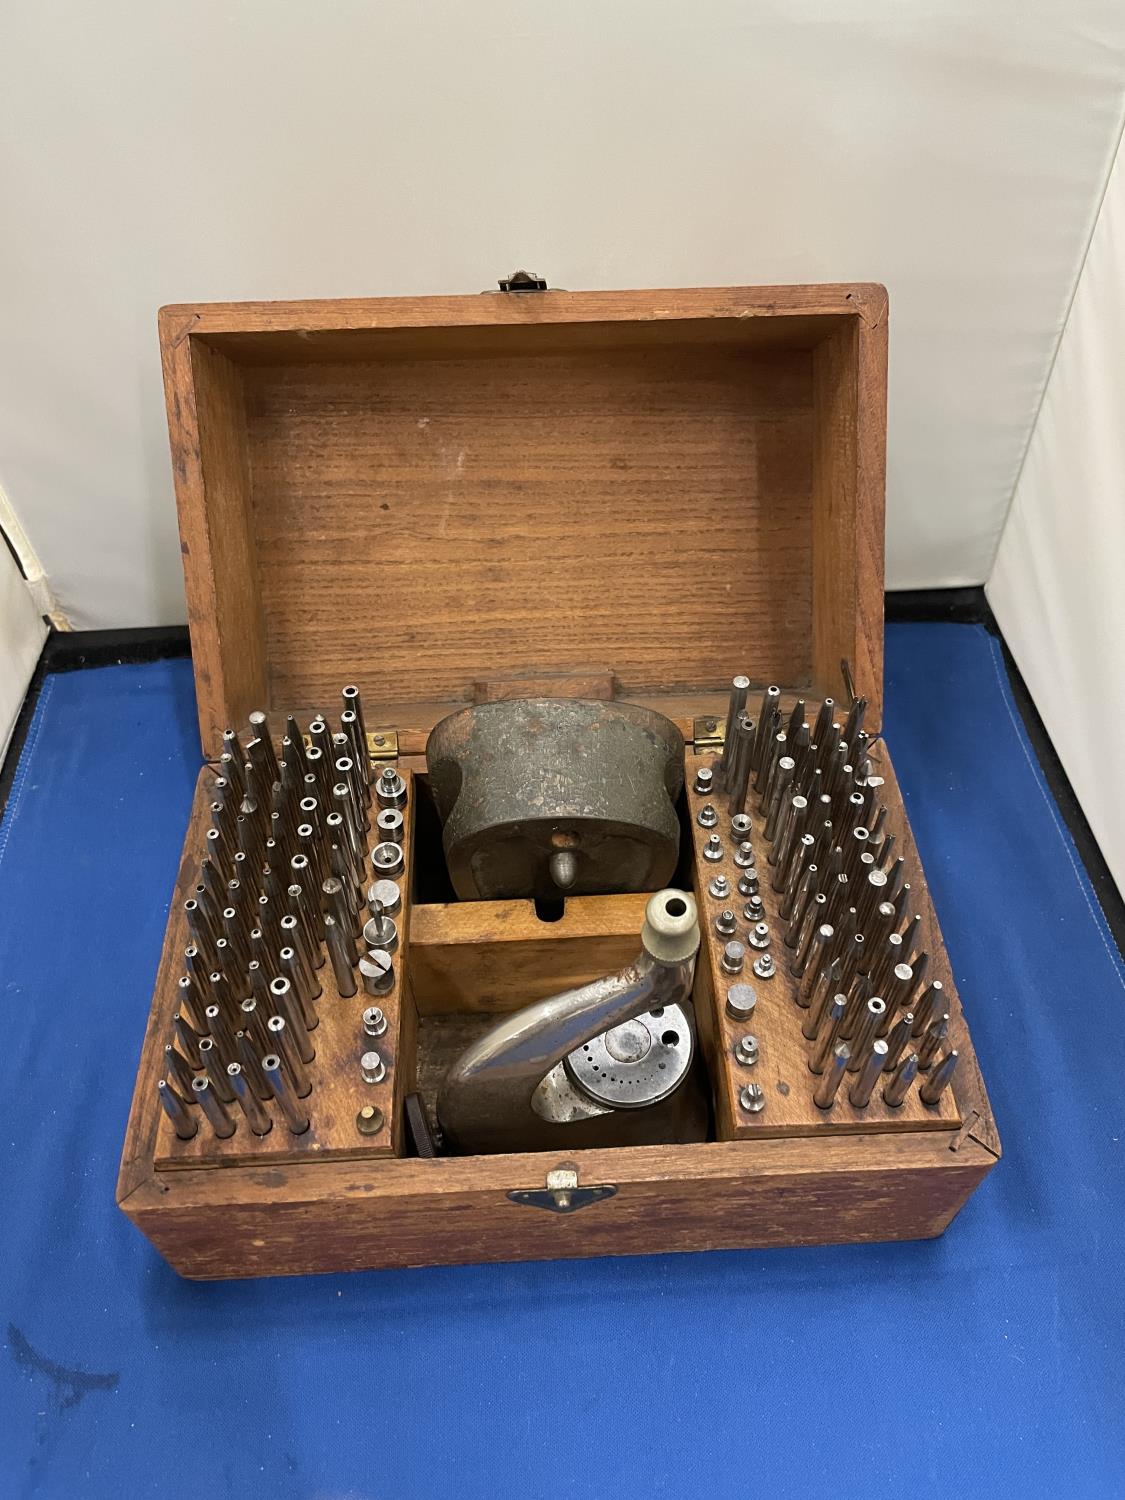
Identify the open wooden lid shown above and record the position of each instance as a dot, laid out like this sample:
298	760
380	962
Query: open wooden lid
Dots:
444	499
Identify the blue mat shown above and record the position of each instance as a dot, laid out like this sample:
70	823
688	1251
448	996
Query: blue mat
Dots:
989	1362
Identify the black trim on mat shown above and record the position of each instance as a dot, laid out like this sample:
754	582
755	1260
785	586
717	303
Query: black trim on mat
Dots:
1111	900
957	606
68	651
970	607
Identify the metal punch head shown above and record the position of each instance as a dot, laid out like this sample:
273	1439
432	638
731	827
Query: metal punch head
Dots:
188	1038
336	901
896	1090
824	1096
249	1056
369	1120
285	1004
823	722
744	858
736	704
827	986
178	1070
379	931
386	859
283	1042
351	725
733	958
817	957
387	894
930	1004
374	1022
725	924
935	1085
773	799
256	1115
859	1095
932	1043
741	1000
897	1039
747	1050
353	702
377	971
815	916
341	951
740	828
871	1018
390	788
713	849
829	1034
372	1067
737	764
216	1069
212	1106
752	1098
294	971
285	1095
175	1108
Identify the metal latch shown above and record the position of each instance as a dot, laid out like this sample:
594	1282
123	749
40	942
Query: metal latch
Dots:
523	281
709	733
382	744
562	1195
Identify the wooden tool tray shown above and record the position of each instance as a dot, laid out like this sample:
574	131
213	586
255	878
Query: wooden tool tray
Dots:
604	495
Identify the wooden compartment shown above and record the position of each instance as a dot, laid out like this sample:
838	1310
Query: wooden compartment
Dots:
450	500
391	492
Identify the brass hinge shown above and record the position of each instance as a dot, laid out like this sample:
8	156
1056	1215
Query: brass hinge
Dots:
562	1195
709	733
382	744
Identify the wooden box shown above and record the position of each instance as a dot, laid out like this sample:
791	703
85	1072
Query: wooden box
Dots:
451	499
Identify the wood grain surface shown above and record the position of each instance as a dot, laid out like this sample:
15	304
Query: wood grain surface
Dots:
849	489
430	493
545	512
337	1216
496	956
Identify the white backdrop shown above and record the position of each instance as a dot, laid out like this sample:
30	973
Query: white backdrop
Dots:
165	151
1058	587
22	633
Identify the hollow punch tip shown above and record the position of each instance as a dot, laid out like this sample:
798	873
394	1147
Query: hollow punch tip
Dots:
935	1085
830	1080
296	1116
183	1123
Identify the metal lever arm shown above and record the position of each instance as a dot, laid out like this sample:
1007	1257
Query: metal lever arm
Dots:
486	1099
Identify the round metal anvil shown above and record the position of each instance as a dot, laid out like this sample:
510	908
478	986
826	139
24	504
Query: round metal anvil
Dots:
550	797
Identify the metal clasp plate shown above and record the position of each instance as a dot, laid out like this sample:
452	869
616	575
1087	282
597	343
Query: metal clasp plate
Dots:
382	744
523	281
709	733
562	1195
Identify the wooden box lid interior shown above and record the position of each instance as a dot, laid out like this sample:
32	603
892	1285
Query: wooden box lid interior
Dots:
434	496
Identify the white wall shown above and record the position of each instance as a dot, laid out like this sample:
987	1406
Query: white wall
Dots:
1058	586
163	151
22	633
